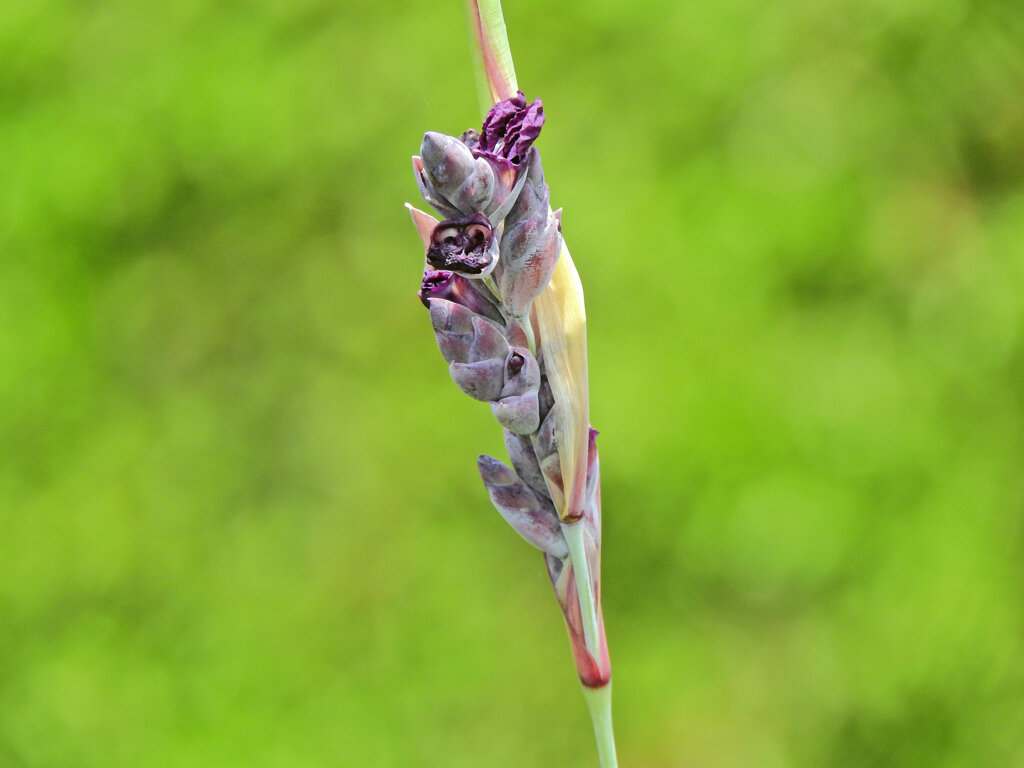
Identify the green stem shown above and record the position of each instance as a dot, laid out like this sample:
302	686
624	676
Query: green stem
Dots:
493	288
492	57
599	702
527	327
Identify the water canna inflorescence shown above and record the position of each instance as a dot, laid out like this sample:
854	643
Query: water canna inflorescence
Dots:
506	306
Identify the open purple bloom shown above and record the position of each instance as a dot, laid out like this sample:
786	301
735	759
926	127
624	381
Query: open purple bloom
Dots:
464	246
509	130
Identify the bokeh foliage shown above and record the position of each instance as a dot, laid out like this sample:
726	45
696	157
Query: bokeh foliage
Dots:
239	518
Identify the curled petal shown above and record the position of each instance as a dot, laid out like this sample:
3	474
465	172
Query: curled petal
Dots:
442	284
510	128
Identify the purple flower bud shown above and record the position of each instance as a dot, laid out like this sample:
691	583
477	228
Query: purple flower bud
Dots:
522	373
531	514
510	128
530	245
524	460
441	284
445	158
480	380
430	192
518	409
449	316
465	246
453	346
453	328
488	343
536	194
474	347
452	177
518	413
545	443
463	336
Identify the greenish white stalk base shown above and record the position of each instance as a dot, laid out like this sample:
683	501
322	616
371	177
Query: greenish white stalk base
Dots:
599	701
588	608
493	288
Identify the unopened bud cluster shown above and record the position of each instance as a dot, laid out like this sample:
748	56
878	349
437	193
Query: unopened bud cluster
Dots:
486	262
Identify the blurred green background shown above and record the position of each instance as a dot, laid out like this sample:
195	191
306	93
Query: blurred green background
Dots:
240	523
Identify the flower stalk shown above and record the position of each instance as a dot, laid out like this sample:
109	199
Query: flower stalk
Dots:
506	305
495	73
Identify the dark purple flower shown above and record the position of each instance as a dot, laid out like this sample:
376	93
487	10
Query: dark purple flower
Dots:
480	172
465	246
442	284
435	285
509	130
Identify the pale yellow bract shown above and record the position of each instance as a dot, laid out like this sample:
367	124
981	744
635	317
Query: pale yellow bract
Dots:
561	320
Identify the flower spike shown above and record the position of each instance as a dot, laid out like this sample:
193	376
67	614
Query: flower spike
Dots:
506	305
